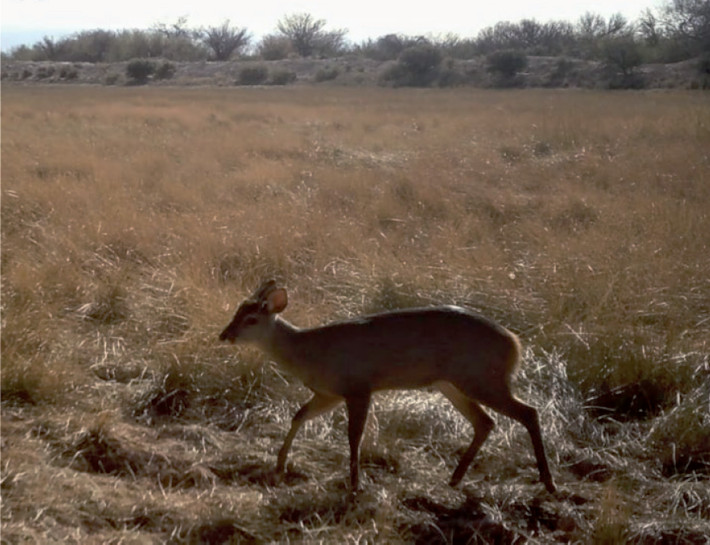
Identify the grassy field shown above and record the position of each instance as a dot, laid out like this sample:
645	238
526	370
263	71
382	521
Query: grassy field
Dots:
134	220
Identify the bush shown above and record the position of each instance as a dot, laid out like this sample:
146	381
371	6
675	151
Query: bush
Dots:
225	40
165	71
68	73
634	80
326	74
449	76
564	68
274	48
418	66
308	37
387	47
282	77
139	70
623	54
44	72
421	62
253	75
704	64
506	63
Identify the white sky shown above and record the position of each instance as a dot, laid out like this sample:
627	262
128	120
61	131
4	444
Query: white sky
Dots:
26	21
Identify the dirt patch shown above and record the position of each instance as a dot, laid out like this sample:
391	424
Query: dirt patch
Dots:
221	531
467	523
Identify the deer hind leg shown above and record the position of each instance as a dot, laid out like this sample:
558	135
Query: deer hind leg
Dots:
318	404
482	426
357	415
508	405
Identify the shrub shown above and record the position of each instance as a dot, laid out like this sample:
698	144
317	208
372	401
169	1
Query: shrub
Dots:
627	81
421	62
308	36
564	69
418	66
282	77
274	47
449	76
253	75
225	40
29	381
139	70
623	54
165	71
44	72
385	48
506	63
704	64
327	74
68	73
681	437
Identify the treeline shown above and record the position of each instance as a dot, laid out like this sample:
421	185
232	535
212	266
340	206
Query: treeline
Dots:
675	31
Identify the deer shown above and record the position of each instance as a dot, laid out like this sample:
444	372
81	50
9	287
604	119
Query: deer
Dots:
470	359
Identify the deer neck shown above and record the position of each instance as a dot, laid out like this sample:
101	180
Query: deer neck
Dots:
281	341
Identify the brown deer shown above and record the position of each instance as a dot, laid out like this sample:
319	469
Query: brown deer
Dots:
470	359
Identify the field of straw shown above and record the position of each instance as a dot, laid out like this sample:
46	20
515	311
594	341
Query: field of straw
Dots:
135	220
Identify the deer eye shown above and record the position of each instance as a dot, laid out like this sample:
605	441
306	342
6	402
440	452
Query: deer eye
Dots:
250	320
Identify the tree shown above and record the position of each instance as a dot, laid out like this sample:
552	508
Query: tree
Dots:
677	30
649	28
454	47
499	36
307	35
21	53
528	35
175	41
178	29
90	46
617	25
688	21
225	40
51	49
274	47
622	52
390	46
593	29
301	29
386	47
591	26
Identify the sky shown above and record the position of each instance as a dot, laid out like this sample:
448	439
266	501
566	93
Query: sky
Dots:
27	21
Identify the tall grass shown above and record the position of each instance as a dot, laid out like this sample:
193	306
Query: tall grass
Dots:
134	220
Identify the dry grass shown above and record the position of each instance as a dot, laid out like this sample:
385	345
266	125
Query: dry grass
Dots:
134	220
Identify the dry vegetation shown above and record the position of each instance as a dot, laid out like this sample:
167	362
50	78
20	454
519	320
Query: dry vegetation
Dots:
135	219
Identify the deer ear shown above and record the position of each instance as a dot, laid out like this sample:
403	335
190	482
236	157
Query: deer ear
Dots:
276	301
263	290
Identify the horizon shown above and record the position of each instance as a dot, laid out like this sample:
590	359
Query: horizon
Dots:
22	24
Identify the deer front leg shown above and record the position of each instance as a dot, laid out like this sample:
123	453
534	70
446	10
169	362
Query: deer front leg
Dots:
319	404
